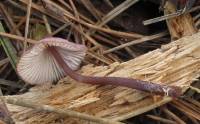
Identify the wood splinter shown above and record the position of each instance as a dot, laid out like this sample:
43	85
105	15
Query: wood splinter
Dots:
53	58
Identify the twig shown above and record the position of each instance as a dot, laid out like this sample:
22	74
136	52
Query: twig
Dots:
89	6
195	89
97	14
108	3
4	61
59	29
10	83
16	37
8	48
33	42
146	38
32	20
8	16
110	31
172	115
65	4
55	8
48	27
78	37
18	25
98	57
112	14
185	109
162	18
113	32
116	11
129	50
160	119
193	101
89	38
11	25
3	67
169	16
61	112
69	8
190	106
20	7
27	24
104	39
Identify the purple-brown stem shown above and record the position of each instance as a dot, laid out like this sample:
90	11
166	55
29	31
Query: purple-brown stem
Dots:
119	81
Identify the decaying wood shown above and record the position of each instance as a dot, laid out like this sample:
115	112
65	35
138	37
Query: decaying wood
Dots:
180	26
5	115
177	63
61	112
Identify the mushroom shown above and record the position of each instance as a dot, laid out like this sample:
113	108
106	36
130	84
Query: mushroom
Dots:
38	65
53	58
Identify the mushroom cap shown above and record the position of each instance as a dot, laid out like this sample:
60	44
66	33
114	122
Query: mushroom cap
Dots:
38	66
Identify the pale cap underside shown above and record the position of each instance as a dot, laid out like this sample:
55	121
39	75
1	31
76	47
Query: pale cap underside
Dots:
38	66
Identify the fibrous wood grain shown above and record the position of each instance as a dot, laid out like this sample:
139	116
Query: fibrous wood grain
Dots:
180	26
177	63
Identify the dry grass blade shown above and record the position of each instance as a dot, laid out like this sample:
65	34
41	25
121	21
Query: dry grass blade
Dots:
10	83
116	11
186	110
103	39
190	106
48	27
113	32
108	3
70	9
59	29
67	13
79	29
172	115
146	38
27	24
4	67
16	37
169	16
193	101
21	22
78	38
112	14
8	48
195	89
129	50
89	6
117	33
160	119
33	42
4	61
162	18
97	14
98	57
89	38
8	16
10	23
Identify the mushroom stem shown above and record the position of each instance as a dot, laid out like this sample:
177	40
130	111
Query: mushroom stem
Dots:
147	86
